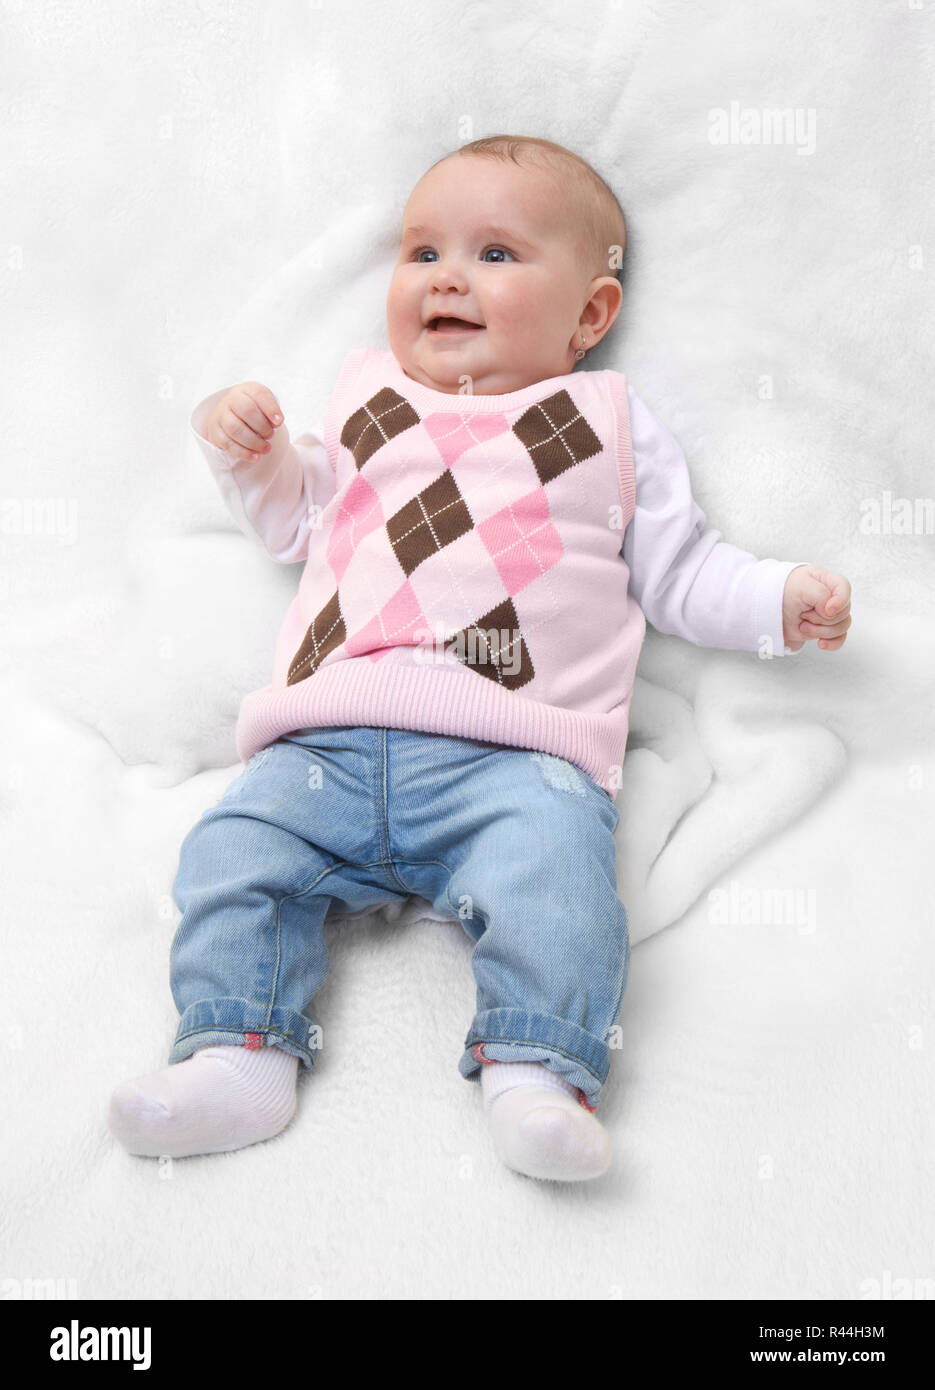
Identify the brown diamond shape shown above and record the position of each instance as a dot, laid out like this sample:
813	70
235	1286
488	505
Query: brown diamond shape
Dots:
378	420
497	634
326	632
434	518
556	435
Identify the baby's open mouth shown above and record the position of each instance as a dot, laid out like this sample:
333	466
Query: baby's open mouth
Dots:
452	325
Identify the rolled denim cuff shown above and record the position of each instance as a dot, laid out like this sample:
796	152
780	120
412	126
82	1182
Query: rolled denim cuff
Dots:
513	1035
244	1023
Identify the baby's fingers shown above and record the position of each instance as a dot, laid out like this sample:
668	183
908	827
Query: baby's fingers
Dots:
237	438
819	616
257	407
839	602
825	629
247	420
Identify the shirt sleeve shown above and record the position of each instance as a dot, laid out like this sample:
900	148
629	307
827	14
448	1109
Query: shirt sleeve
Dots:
278	500
687	580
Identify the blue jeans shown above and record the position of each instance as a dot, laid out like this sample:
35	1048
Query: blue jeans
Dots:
518	847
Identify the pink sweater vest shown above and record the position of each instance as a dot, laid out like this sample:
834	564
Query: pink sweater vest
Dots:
465	574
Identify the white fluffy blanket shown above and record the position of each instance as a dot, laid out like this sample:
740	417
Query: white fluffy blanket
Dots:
203	196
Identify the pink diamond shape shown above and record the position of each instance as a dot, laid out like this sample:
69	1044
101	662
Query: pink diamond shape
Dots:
394	622
453	434
360	514
522	541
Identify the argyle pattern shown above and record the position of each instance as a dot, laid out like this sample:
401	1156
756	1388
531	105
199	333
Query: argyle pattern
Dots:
427	545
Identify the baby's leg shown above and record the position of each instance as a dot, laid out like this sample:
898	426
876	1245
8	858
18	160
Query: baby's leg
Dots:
551	966
246	957
520	846
257	874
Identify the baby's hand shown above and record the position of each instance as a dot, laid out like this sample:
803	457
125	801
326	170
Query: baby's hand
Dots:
244	420
815	603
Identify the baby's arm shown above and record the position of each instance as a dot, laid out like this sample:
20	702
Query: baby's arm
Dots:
277	499
689	582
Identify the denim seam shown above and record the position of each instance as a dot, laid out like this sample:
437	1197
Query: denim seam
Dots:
383	810
626	966
285	897
381	864
480	910
370	864
274	983
330	869
418	863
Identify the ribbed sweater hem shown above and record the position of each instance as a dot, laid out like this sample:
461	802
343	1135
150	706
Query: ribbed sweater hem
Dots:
439	699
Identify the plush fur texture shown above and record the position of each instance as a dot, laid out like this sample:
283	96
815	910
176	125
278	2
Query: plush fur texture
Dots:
244	169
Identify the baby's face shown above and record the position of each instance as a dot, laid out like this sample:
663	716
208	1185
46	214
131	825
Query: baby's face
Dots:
486	242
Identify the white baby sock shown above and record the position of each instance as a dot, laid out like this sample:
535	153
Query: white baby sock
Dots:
220	1098
538	1126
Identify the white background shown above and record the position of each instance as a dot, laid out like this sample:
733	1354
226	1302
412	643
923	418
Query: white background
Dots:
199	194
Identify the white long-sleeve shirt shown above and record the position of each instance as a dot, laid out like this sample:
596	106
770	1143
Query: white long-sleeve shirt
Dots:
528	536
687	580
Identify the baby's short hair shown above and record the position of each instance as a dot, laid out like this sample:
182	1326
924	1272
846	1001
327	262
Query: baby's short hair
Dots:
594	201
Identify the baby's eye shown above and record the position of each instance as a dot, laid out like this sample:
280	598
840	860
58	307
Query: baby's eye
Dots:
428	251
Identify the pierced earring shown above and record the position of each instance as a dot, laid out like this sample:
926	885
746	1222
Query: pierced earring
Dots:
581	351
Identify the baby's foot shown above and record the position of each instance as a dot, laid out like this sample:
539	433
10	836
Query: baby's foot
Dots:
220	1098
539	1127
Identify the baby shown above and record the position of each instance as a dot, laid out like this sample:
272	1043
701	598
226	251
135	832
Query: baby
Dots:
486	532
